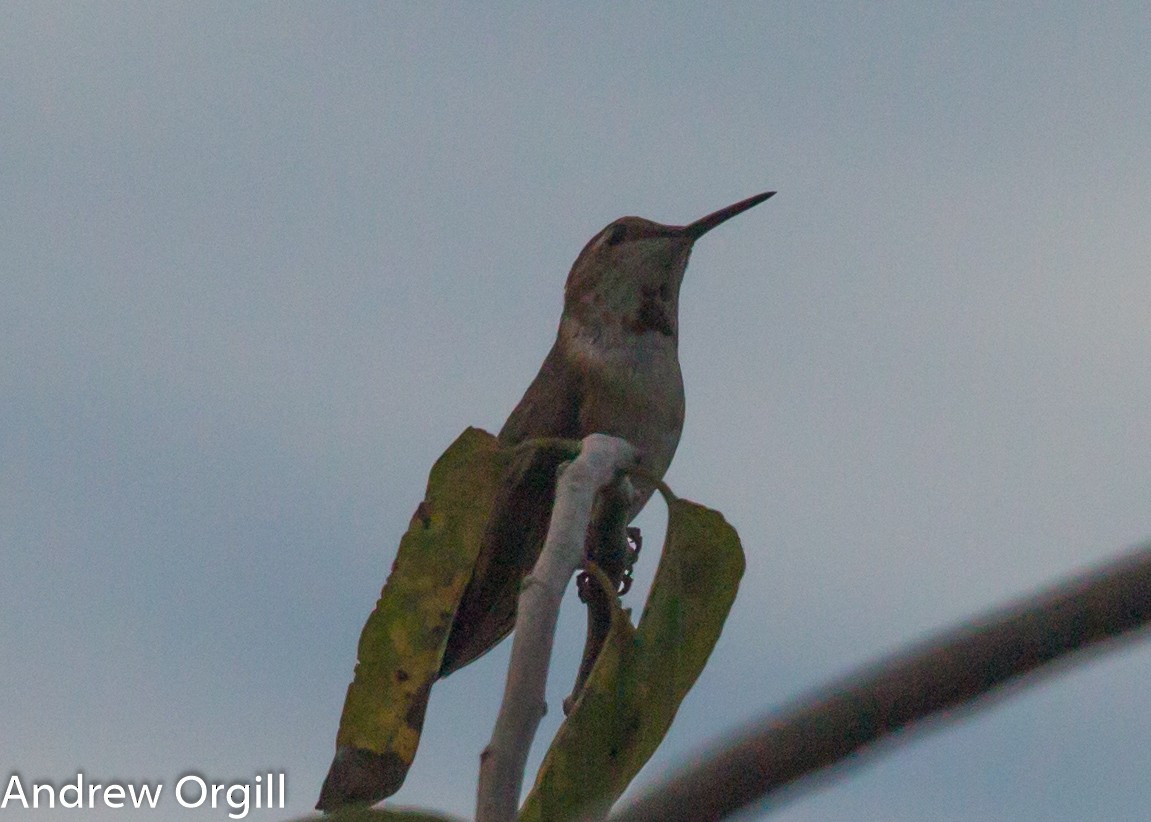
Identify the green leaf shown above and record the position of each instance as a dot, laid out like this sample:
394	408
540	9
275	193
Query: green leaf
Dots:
643	674
403	641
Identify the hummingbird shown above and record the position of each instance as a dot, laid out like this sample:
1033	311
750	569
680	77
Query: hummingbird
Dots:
613	369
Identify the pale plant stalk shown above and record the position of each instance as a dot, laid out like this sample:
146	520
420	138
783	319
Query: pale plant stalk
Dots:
600	462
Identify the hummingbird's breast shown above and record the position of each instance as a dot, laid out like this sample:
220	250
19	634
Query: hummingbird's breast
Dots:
632	389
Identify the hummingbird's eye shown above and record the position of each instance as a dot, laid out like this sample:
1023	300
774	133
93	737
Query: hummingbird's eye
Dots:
616	234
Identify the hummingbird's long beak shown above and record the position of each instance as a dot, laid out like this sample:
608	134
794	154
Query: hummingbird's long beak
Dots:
706	224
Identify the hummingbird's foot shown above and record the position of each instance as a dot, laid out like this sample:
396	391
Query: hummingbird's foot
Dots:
634	544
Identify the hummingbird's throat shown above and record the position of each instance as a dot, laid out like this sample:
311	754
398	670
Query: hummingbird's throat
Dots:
650	312
655	313
626	308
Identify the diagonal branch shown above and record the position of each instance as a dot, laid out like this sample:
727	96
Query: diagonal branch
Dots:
949	671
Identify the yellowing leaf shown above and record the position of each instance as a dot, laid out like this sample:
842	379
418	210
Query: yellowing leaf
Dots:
643	674
402	644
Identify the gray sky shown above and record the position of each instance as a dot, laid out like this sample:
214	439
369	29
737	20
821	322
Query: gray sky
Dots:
262	263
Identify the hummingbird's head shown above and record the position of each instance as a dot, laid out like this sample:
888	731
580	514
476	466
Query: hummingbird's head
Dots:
630	273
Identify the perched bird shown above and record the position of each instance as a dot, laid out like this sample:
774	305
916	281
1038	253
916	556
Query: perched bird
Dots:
614	369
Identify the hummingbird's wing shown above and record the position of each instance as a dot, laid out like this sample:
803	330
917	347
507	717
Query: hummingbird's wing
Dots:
551	406
486	614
